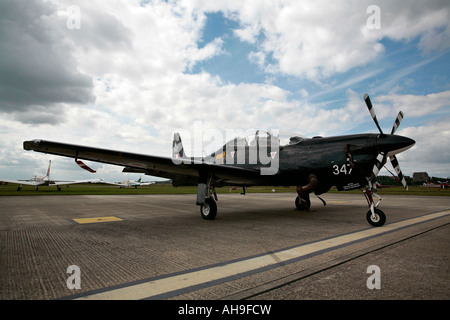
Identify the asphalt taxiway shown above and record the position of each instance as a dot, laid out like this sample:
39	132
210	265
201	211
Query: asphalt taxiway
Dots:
259	247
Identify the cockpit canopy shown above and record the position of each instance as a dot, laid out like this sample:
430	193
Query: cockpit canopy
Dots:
255	138
296	139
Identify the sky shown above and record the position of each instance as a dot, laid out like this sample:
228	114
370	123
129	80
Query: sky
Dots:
125	75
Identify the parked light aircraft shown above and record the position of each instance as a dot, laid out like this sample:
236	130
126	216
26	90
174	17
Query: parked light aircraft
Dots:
45	181
130	183
313	165
443	185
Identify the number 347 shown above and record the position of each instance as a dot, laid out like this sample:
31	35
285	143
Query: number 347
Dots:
344	169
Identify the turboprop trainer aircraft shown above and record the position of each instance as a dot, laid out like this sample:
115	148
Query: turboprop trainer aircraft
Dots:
313	165
45	181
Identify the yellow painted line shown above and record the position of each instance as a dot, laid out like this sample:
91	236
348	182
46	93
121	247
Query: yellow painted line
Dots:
219	274
96	220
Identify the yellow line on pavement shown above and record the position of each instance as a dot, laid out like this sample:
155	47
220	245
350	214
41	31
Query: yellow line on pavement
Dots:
96	220
220	273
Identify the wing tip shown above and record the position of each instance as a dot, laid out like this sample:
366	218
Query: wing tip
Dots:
31	144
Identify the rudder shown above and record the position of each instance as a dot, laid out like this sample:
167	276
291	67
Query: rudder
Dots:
178	154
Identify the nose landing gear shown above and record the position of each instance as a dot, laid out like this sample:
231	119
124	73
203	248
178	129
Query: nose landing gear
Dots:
374	216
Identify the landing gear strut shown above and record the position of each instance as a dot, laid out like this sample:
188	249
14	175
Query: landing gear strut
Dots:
302	202
206	199
374	216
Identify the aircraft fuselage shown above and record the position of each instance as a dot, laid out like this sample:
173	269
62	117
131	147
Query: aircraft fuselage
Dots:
342	161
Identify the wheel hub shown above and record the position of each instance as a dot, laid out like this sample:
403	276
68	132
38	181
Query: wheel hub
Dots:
206	209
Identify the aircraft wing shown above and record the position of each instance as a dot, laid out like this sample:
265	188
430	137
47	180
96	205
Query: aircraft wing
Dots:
181	174
113	183
26	182
145	183
61	183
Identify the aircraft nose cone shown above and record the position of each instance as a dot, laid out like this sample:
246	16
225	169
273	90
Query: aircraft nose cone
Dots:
393	144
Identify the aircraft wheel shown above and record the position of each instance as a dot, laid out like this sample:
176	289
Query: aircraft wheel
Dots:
378	220
208	210
300	205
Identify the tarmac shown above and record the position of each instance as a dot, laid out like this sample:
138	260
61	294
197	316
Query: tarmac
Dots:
258	248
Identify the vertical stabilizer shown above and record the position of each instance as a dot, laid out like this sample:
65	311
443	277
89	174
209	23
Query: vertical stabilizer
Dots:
177	147
47	176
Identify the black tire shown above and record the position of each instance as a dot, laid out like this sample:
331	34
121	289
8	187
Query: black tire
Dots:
208	210
379	220
300	205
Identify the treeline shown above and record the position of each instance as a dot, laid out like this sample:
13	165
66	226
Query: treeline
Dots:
389	180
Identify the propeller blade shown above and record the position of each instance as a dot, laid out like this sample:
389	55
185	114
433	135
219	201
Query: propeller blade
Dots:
397	122
382	157
372	111
398	171
379	163
393	158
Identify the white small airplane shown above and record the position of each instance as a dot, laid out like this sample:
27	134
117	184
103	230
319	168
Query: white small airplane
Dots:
128	183
45	181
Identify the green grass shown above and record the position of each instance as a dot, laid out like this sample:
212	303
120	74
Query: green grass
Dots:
102	189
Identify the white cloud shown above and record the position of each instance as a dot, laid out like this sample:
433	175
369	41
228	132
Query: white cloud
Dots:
316	39
248	33
122	81
39	72
432	150
258	58
417	105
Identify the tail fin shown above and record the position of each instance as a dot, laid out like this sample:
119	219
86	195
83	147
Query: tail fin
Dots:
49	165
177	147
47	176
178	155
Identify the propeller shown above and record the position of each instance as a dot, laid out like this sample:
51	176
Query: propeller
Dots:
382	156
393	158
372	112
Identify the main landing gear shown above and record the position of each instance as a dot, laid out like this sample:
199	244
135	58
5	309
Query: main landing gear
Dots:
208	210
374	216
206	199
302	202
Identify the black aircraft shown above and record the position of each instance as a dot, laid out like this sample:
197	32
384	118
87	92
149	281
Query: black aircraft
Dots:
313	165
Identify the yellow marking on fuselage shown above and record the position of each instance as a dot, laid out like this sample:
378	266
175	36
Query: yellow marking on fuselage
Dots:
221	156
